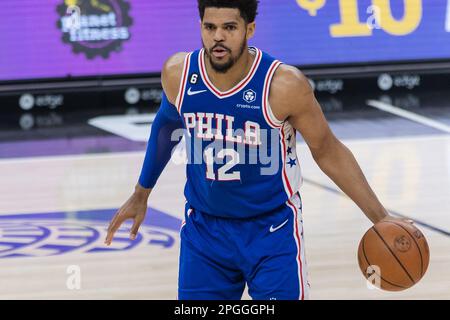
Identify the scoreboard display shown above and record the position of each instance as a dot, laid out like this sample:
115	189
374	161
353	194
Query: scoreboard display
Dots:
79	38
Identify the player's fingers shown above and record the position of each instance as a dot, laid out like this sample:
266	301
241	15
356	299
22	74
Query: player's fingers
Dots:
135	228
110	236
114	220
115	224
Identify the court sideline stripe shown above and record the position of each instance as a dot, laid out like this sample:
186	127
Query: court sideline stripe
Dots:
408	115
394	213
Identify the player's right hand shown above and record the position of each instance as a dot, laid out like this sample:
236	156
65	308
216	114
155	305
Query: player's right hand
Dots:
134	208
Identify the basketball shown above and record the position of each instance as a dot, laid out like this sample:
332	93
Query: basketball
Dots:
394	252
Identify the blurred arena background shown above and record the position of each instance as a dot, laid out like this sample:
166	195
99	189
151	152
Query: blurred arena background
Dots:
80	85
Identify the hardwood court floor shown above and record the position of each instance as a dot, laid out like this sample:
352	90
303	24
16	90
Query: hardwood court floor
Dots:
411	176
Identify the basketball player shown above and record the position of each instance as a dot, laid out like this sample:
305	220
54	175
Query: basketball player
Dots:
243	224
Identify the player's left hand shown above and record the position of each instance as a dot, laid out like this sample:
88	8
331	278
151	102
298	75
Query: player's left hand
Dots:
134	208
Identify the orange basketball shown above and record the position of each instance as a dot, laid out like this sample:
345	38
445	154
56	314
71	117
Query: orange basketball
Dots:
395	253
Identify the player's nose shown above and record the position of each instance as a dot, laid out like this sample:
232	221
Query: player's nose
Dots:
219	35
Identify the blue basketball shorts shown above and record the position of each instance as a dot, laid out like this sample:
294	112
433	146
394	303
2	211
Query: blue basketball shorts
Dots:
219	256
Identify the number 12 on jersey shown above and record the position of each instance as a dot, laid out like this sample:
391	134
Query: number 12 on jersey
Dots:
222	172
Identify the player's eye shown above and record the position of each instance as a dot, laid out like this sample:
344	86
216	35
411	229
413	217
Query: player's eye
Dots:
209	27
230	28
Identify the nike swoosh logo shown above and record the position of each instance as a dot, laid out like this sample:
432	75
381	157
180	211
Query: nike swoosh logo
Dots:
272	229
191	93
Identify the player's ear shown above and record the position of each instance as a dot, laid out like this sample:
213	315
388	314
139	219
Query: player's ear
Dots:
251	30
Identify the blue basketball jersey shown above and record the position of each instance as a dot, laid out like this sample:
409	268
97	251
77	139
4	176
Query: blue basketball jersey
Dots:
242	161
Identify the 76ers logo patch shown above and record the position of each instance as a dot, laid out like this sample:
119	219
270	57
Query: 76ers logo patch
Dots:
94	27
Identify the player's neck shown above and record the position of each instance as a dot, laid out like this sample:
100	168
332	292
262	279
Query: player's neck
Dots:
227	80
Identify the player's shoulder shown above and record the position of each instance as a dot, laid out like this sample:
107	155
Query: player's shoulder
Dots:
175	63
288	88
171	74
288	79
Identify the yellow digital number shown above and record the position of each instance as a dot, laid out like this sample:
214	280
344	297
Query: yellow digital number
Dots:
410	21
312	6
351	26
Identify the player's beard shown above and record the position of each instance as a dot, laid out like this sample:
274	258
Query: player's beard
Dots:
224	67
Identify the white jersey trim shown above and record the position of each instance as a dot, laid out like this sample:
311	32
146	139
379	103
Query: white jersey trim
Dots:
291	174
183	82
270	118
294	204
244	82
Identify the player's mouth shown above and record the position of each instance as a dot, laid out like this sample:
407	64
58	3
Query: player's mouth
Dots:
219	52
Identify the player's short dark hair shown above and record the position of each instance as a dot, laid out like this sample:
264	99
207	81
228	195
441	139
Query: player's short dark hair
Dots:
247	8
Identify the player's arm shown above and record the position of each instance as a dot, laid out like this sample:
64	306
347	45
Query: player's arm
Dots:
292	99
159	150
167	120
